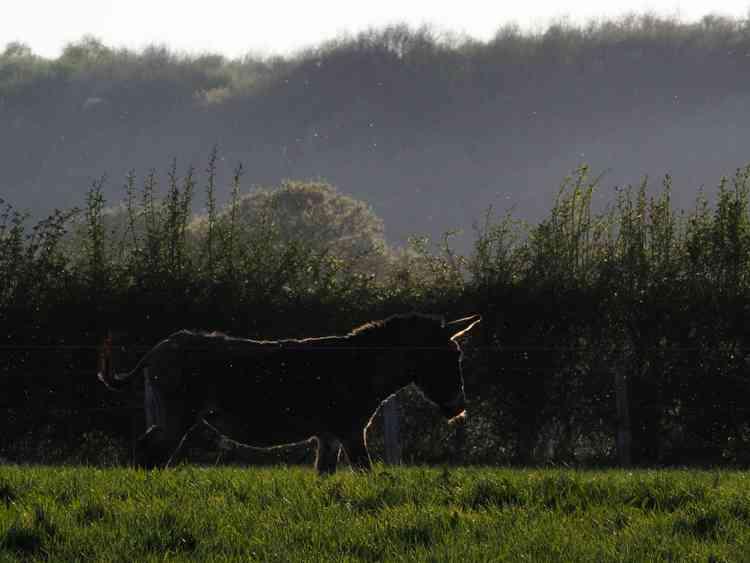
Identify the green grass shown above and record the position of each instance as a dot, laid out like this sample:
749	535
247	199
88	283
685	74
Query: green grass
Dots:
401	514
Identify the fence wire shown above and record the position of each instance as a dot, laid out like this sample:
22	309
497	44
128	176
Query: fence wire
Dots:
290	346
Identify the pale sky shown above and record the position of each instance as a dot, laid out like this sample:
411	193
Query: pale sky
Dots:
237	27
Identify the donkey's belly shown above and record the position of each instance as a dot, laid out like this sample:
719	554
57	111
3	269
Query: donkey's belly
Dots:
266	431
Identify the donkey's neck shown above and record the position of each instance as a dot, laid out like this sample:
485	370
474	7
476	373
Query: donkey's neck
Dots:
390	374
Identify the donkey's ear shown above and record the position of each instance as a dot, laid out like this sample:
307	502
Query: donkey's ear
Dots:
459	327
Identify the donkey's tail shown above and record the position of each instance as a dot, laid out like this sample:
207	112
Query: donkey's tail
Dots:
105	373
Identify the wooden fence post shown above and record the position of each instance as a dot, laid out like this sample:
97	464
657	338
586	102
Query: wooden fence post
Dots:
624	436
134	437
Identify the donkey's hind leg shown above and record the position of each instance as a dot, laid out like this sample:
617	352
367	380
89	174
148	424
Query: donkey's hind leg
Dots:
167	428
356	450
327	454
160	447
151	449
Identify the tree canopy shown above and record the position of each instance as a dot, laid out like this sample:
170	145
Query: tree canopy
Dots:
327	221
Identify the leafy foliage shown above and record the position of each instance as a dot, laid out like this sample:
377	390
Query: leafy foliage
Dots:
414	108
636	288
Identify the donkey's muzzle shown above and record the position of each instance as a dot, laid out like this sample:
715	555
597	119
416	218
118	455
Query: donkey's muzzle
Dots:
455	408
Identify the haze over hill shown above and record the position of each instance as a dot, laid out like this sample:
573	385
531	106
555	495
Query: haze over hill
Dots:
429	130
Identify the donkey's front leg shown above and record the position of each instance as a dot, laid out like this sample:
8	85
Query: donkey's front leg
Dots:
327	454
356	448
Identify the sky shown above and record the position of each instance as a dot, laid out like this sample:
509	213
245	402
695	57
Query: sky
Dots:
281	27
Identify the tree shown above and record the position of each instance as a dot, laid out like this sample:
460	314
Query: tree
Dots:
328	222
18	50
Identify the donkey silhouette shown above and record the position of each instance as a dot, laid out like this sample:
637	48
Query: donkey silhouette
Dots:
264	393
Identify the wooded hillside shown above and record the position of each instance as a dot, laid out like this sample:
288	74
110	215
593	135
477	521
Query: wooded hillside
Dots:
427	129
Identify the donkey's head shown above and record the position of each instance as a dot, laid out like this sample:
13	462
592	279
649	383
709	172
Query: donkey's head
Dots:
436	363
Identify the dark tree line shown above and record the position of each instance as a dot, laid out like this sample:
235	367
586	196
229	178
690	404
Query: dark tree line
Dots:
603	331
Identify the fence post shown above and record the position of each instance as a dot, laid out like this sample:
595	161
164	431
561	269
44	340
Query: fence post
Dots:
133	437
624	437
391	432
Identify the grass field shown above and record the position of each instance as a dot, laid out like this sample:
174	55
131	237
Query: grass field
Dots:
394	514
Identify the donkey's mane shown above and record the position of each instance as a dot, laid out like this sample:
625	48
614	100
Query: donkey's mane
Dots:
369	329
391	322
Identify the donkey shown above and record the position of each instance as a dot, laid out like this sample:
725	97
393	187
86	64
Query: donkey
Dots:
264	393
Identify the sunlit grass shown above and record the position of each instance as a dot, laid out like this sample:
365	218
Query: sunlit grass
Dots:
394	514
